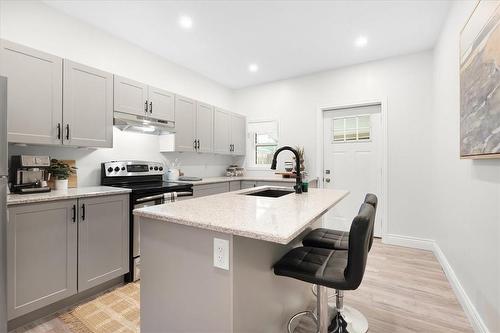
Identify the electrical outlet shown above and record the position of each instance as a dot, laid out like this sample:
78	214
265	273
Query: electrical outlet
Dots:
221	253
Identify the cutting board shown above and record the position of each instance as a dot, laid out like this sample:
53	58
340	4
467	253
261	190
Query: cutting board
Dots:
72	179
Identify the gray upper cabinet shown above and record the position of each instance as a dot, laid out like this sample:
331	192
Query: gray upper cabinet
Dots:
161	104
222	131
41	255
185	116
34	94
88	106
103	239
204	127
238	134
130	96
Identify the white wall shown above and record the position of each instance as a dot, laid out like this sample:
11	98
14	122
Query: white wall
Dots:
37	25
466	193
404	82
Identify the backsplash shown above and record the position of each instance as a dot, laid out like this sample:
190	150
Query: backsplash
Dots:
127	146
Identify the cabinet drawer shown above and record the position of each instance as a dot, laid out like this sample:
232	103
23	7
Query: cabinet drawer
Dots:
210	189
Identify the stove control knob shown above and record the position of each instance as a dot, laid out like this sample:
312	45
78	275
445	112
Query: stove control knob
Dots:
123	168
150	168
110	169
156	168
117	169
161	168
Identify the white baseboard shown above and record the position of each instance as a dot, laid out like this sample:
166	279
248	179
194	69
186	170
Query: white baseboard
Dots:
413	242
430	245
469	308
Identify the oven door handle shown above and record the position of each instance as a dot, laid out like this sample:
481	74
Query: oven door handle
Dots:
184	194
153	197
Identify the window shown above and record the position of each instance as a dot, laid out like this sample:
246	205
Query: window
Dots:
264	141
349	129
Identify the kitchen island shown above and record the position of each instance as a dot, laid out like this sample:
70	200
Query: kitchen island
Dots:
182	291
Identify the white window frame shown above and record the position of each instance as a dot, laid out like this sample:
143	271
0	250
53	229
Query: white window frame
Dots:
357	128
252	147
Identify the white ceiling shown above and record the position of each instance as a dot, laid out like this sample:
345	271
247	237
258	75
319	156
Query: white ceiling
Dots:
285	38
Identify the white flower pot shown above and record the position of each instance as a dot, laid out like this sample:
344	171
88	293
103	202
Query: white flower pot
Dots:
61	184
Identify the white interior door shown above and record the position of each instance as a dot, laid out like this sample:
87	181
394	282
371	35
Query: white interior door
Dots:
352	161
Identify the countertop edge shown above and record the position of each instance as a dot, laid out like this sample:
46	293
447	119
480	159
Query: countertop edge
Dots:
47	198
222	179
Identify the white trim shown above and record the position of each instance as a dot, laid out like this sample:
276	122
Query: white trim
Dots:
406	241
382	101
470	310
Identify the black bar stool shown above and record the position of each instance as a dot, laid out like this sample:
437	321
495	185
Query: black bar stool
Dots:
339	270
336	239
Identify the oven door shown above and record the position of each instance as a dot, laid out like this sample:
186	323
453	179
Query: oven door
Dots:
141	203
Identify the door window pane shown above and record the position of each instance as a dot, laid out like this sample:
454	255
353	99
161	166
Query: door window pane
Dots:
350	129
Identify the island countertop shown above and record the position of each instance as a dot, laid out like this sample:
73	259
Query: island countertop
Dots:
277	220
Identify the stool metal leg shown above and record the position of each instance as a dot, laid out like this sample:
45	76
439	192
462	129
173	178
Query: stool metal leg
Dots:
322	309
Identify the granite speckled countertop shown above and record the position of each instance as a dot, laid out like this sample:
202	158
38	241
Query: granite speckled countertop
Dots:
72	193
213	180
277	220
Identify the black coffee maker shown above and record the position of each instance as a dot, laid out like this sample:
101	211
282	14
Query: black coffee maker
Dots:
29	174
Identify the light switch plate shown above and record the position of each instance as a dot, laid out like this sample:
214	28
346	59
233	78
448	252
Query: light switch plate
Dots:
221	253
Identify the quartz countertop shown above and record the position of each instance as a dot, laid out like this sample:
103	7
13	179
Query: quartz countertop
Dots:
213	180
71	193
277	220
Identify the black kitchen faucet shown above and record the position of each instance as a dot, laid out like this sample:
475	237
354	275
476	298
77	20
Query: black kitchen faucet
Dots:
298	179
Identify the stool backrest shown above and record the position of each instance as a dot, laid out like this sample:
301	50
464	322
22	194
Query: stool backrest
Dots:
372	199
359	243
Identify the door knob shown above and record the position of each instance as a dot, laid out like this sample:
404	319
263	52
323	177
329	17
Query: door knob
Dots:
327	180
327	172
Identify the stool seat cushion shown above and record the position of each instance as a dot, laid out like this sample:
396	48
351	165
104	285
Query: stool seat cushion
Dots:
315	265
328	239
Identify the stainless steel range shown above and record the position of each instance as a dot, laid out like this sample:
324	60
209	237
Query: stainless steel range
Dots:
145	179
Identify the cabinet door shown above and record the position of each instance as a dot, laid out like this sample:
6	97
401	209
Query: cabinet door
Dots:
234	185
238	134
130	96
222	123
34	94
87	106
248	184
185	118
41	255
205	127
103	239
161	104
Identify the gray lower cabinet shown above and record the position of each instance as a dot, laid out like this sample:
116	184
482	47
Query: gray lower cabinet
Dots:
234	185
41	255
210	189
248	184
103	239
57	249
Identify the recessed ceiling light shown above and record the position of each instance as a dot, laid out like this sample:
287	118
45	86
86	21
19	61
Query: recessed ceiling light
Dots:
186	22
361	41
253	68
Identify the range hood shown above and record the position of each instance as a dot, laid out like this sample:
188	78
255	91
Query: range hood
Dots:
142	124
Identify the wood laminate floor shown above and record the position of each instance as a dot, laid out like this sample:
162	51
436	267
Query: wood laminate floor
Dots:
404	290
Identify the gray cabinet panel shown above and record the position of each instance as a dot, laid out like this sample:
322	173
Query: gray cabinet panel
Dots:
88	106
161	104
34	94
234	185
205	127
210	189
185	115
248	184
238	134
130	96
41	255
103	239
222	132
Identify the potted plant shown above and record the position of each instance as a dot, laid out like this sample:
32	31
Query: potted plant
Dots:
301	152
61	171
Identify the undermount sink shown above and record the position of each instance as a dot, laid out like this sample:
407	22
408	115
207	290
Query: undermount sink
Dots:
271	193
